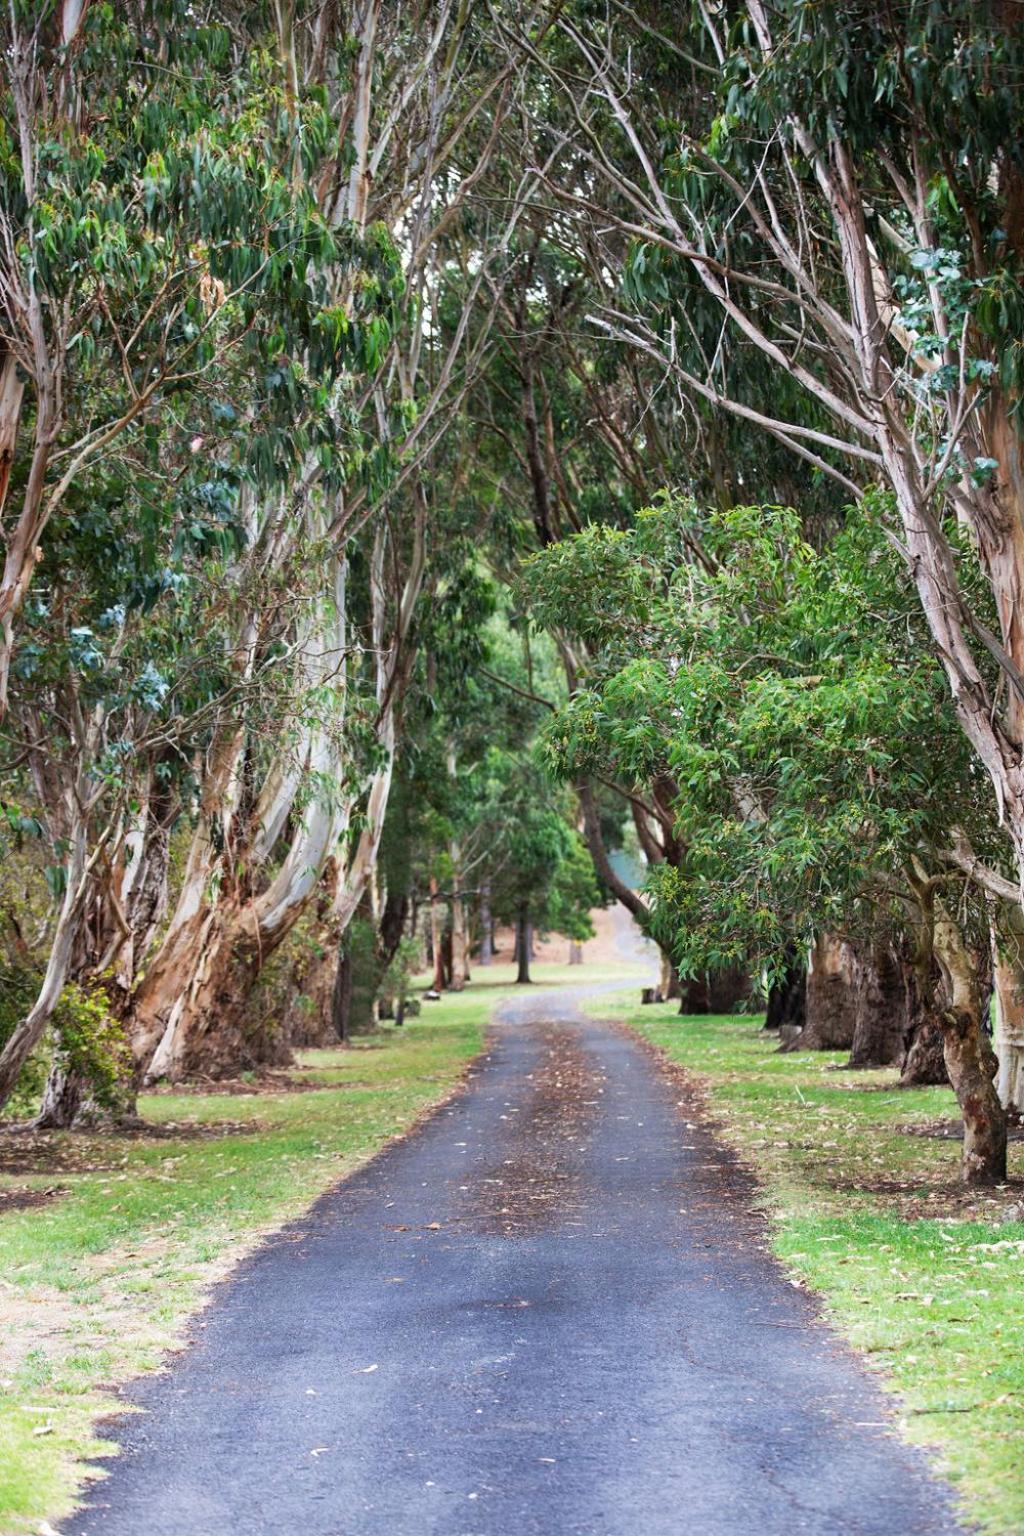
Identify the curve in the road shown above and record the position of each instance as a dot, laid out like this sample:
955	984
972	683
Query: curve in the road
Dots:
548	1311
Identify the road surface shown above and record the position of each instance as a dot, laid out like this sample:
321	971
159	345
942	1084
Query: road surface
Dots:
547	1311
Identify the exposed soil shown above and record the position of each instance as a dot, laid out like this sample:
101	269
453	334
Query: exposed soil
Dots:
27	1199
270	1081
24	1151
917	1200
953	1130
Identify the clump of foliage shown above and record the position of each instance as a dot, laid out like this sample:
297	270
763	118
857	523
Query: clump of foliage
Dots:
92	1043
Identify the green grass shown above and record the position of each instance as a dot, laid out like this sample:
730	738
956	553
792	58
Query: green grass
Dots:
925	1279
97	1284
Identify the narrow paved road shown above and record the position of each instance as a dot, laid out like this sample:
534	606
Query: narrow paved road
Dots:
546	1312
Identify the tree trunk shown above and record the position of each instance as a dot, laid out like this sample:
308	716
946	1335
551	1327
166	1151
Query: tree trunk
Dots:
341	996
970	1060
62	1097
629	898
1008	976
669	984
460	966
11	391
360	962
727	988
880	1009
693	995
787	997
27	1035
524	940
207	1031
436	935
389	936
709	991
68	1102
831	997
575	952
924	1064
486	925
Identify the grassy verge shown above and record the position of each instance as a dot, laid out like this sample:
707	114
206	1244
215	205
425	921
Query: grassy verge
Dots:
99	1276
866	1209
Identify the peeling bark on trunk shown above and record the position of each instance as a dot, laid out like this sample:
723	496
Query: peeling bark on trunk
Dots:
190	1012
62	1097
970	1060
924	1064
925	1061
208	1032
1008	980
1009	1033
11	392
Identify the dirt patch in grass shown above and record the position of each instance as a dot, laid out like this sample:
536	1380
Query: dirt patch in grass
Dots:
237	1087
946	1200
26	1199
26	1151
953	1130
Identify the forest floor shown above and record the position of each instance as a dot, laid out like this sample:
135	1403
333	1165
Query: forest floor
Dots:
859	1180
550	1310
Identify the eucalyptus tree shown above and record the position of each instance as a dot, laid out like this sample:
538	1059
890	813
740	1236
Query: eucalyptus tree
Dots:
245	297
844	186
155	263
572	430
780	704
400	201
149	209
